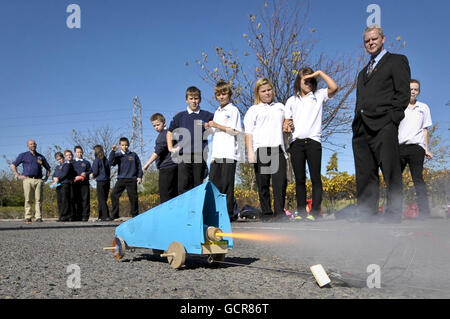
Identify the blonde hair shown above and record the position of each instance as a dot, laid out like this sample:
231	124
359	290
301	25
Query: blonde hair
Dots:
374	27
259	83
223	87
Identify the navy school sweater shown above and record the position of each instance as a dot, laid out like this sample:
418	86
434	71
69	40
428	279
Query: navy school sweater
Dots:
65	173
193	123
101	169
82	167
129	164
164	159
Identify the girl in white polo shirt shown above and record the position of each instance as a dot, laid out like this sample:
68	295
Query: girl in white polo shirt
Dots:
226	127
263	124
413	140
304	112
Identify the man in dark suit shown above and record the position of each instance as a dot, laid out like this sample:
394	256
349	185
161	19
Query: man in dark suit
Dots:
382	95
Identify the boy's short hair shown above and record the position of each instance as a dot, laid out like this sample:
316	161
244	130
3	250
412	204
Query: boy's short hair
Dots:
59	155
68	151
124	139
192	90
77	147
223	87
158	117
415	81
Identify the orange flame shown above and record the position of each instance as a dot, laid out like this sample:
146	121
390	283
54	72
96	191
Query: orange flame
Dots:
257	237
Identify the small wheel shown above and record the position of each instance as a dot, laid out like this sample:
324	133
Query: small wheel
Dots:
178	257
120	248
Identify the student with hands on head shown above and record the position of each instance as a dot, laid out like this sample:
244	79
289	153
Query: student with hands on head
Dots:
304	121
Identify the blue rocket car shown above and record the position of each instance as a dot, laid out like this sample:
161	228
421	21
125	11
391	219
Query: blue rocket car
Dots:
187	224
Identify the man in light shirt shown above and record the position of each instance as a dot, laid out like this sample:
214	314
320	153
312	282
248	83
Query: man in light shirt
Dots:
413	140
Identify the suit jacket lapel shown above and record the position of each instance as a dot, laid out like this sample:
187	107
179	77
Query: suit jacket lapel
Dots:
377	67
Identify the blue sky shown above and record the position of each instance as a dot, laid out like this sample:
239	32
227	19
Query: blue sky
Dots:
54	79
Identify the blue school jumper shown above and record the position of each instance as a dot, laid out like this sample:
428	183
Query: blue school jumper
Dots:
190	121
129	170
65	173
101	169
164	159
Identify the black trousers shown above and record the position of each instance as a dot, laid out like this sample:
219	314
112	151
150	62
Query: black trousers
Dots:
63	198
271	164
222	172
102	198
130	184
82	200
373	150
168	183
414	155
307	151
191	172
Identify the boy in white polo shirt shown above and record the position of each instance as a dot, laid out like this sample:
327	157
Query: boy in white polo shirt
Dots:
413	140
304	114
226	127
264	140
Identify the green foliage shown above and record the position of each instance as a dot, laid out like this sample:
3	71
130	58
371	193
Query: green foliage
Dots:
11	191
150	181
245	176
332	167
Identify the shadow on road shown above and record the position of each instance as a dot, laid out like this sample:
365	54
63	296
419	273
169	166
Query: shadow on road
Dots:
196	261
58	226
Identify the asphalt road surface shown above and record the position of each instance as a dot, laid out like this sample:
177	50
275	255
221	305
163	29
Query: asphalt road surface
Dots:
66	260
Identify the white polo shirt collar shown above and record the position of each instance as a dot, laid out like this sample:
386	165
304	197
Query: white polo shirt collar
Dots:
190	111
